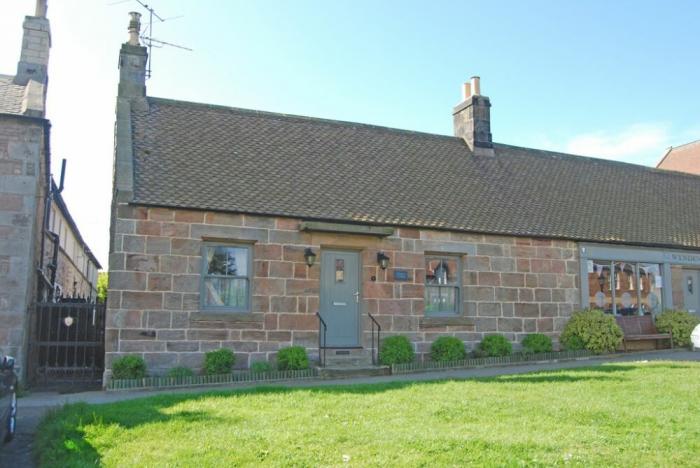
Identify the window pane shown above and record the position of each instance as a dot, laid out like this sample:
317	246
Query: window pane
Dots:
626	284
225	292
599	282
442	271
441	299
650	288
229	261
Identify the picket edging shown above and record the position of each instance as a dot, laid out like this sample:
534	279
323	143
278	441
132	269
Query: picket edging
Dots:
488	361
198	380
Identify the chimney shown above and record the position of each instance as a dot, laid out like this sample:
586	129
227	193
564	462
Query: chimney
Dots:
34	58
472	119
132	62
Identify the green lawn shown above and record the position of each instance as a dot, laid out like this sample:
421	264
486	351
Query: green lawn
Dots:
641	414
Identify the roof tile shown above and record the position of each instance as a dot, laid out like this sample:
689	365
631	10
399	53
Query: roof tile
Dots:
210	157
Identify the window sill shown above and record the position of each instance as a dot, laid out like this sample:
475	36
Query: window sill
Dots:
211	316
445	321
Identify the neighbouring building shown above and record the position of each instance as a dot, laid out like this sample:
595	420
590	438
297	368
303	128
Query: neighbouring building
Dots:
683	158
42	255
233	228
76	267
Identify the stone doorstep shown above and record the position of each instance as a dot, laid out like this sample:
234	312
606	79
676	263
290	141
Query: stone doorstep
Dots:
333	372
348	357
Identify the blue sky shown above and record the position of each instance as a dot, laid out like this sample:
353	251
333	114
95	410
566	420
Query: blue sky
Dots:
612	79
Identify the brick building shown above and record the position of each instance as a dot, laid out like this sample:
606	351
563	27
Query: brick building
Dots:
42	254
682	158
233	228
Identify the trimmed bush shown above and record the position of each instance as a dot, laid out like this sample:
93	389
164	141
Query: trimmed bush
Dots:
396	350
179	372
495	345
292	358
537	343
593	330
678	322
447	348
260	367
218	362
129	367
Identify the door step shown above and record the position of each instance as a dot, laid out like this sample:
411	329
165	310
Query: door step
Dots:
349	357
345	372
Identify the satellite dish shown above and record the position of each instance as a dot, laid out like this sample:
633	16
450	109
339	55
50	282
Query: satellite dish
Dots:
695	338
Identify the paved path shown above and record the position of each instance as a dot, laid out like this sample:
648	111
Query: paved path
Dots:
32	407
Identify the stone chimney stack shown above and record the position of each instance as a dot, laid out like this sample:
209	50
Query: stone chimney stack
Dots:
472	119
34	58
132	62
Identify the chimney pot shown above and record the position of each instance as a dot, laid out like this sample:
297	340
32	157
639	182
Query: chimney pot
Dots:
466	91
41	8
476	86
134	28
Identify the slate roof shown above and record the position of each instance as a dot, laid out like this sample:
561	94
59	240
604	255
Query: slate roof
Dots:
11	96
209	157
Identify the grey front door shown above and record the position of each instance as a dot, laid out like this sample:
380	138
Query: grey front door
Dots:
691	290
340	297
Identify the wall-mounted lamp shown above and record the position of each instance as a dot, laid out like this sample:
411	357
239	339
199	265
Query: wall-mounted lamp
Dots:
690	284
383	260
309	256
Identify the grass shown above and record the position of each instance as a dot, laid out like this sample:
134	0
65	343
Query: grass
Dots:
641	414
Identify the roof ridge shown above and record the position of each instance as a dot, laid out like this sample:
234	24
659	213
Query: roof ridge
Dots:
535	151
684	144
300	117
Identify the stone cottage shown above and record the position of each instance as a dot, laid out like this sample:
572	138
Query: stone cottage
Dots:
42	254
234	228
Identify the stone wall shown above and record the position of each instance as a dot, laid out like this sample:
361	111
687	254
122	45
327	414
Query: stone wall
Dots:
21	194
512	285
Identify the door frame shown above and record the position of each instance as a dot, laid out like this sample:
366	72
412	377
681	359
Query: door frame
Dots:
358	253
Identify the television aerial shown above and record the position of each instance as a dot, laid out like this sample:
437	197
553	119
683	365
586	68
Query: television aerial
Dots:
147	35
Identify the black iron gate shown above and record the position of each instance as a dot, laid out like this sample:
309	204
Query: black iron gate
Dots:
67	347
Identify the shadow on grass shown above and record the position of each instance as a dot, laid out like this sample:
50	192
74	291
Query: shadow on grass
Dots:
62	437
63	434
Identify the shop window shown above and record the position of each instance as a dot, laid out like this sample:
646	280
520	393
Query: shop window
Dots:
624	288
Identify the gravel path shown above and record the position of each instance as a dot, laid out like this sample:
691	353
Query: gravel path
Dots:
32	408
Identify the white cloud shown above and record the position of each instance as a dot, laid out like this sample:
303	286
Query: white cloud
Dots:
634	141
639	143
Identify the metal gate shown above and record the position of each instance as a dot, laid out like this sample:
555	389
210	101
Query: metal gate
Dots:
67	348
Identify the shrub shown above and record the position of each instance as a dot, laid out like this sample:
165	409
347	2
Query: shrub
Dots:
537	343
495	345
129	367
447	348
220	361
260	367
292	358
678	322
179	372
593	330
395	350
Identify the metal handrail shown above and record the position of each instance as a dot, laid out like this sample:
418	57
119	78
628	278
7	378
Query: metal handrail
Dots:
375	351
322	347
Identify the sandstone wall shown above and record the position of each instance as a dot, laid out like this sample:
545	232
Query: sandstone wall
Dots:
21	196
511	285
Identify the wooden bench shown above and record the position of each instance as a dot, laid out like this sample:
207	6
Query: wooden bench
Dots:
639	328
